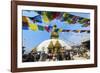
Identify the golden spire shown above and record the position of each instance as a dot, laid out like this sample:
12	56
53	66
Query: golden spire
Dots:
54	34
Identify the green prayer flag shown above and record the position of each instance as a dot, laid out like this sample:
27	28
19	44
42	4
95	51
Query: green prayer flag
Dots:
40	27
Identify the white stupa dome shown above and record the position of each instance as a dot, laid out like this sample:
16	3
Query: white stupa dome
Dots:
45	44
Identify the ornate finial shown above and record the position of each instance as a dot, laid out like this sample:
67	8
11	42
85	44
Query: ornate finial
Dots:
54	34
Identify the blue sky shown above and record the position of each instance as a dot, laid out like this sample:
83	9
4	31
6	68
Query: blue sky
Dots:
32	39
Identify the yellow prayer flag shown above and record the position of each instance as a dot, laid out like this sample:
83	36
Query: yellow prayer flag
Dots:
33	27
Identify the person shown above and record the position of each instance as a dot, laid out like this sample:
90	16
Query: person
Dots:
54	57
37	56
66	55
50	55
30	58
43	56
71	55
59	56
68	58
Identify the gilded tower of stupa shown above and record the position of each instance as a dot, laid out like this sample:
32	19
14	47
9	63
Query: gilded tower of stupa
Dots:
54	34
54	47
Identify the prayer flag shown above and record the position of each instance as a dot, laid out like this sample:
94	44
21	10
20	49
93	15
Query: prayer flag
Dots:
33	27
40	27
45	17
24	19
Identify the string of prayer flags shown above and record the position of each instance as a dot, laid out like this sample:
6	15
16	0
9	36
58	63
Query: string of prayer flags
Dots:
35	27
76	31
64	17
27	24
72	19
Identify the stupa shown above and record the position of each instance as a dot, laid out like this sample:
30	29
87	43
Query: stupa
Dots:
54	44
